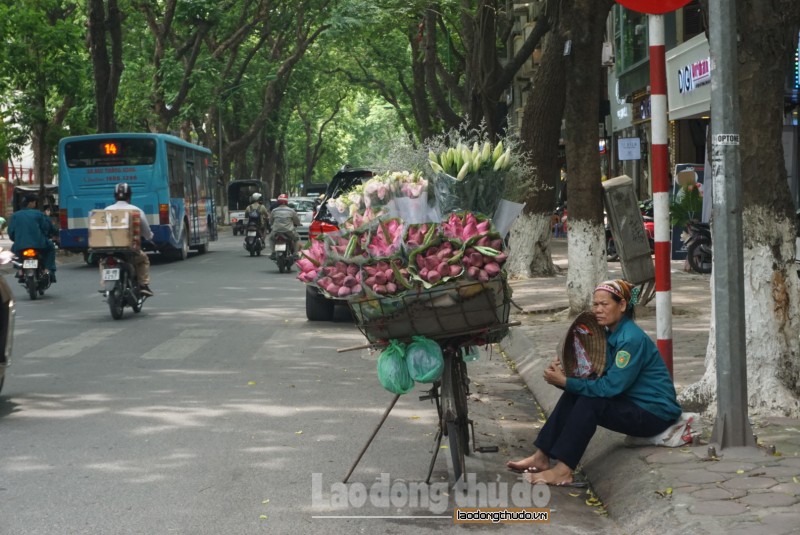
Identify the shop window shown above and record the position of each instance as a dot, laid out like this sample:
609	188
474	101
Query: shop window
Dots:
693	20
630	36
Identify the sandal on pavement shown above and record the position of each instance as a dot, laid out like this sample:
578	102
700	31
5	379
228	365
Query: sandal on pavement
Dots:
529	470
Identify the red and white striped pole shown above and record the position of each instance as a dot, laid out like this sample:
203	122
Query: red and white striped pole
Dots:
660	163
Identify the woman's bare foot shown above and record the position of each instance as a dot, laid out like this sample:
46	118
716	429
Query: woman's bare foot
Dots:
535	463
560	474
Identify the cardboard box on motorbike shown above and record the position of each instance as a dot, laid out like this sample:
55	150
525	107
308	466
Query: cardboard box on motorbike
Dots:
115	229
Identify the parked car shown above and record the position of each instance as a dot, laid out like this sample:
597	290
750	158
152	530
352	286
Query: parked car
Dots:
6	320
305	208
318	307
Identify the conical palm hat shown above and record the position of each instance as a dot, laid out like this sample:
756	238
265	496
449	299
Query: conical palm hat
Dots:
591	342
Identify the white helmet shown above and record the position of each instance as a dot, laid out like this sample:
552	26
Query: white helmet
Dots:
255	197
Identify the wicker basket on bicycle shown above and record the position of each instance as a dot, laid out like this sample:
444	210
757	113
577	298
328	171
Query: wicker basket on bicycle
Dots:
469	309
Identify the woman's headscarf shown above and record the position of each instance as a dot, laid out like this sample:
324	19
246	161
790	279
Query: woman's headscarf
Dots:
622	289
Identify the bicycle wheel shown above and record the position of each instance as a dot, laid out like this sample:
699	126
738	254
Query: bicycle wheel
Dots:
454	410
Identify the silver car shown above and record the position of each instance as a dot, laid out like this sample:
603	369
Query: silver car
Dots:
6	320
305	207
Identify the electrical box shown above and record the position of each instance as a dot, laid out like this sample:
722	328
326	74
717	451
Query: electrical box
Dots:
628	230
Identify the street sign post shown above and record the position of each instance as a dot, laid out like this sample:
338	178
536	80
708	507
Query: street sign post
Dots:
659	165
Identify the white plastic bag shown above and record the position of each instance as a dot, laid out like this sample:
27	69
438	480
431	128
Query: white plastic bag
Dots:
681	432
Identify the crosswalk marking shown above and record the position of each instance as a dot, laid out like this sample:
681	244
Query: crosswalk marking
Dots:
183	345
70	347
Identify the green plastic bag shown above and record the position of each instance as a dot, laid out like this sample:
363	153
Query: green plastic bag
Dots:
425	360
392	369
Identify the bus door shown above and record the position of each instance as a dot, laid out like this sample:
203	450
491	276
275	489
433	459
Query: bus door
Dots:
190	188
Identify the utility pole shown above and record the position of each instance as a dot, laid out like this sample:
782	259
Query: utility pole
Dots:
732	427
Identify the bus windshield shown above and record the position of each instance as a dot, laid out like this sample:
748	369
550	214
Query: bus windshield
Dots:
110	152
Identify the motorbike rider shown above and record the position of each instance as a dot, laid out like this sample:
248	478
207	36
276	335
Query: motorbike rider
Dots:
284	219
257	205
31	229
122	194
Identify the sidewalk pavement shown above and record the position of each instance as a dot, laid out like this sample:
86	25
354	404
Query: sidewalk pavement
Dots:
656	489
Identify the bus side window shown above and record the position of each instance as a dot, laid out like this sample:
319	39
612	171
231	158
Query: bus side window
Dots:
175	177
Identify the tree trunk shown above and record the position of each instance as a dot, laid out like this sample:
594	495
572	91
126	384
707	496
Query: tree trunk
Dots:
540	133
417	93
583	23
41	154
530	247
107	70
772	288
439	100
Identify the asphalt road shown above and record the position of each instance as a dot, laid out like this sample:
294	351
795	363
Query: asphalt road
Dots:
220	410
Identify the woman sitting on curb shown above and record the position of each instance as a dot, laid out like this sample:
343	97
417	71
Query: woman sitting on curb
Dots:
635	394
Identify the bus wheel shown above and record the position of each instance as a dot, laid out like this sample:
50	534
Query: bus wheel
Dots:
183	252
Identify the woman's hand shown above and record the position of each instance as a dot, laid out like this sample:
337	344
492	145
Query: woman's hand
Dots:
554	375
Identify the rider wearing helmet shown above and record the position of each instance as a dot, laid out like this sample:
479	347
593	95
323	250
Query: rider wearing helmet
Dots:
30	228
284	219
257	205
122	194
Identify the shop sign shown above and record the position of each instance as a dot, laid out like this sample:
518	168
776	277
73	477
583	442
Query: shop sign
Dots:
620	108
689	79
629	148
694	75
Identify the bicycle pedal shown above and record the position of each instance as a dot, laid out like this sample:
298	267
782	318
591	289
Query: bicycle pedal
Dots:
487	449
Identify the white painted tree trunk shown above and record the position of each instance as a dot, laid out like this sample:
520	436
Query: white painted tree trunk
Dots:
529	244
772	316
586	255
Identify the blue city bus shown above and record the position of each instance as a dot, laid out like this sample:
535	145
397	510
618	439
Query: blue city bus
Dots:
169	180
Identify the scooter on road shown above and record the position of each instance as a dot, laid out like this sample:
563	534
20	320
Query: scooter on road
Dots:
31	272
284	251
253	241
119	283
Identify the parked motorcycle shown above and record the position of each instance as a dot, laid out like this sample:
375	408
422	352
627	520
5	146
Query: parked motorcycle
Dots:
612	255
253	241
698	246
119	282
31	272
7	314
284	251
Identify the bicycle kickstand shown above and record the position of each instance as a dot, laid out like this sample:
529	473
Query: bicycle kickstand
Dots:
437	443
433	395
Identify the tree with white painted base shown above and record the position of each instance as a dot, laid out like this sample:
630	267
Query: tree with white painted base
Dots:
771	284
540	132
584	27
